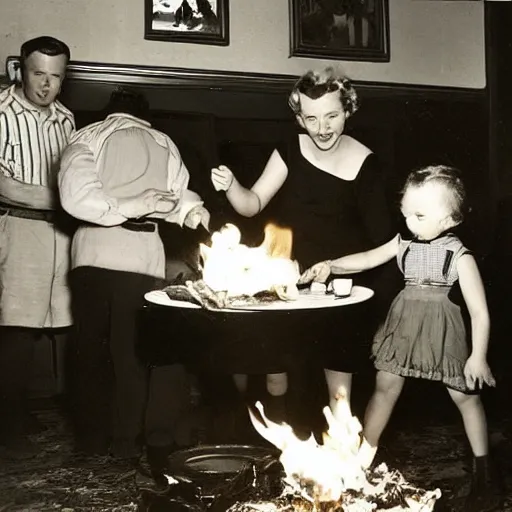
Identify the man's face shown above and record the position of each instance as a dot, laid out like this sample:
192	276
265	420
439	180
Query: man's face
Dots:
42	78
323	119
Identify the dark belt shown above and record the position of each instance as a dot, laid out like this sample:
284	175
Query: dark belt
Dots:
27	213
146	226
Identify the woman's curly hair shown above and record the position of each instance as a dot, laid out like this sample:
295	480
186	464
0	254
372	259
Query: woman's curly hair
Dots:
314	84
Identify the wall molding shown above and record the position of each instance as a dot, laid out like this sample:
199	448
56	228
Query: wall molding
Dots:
247	82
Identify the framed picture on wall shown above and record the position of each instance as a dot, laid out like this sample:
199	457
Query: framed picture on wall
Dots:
187	21
340	29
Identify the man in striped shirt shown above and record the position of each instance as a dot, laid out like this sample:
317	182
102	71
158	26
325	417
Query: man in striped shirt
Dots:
34	249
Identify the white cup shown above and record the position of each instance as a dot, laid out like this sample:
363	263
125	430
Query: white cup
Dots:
341	287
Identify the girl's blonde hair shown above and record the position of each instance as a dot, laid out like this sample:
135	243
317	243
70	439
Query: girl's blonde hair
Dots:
314	84
448	176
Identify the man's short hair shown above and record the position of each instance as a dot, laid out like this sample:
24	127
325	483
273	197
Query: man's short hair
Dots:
43	44
128	101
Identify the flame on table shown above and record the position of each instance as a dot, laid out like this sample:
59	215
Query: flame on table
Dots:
234	268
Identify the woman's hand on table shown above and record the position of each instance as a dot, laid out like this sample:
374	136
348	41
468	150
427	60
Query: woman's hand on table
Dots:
319	273
222	178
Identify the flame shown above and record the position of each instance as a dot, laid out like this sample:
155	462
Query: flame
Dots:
323	473
332	467
236	269
278	241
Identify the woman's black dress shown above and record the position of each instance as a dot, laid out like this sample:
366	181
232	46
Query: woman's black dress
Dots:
329	217
332	217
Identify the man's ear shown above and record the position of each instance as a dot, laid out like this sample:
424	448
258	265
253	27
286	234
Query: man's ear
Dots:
300	121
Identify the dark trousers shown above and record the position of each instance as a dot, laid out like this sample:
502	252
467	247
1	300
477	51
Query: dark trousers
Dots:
16	358
168	402
116	397
108	382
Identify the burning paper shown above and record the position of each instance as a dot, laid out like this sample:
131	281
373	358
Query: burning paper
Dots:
329	476
234	269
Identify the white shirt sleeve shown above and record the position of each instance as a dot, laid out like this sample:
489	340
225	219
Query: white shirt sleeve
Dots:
178	179
81	192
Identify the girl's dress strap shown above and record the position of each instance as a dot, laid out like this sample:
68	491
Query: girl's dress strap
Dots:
403	249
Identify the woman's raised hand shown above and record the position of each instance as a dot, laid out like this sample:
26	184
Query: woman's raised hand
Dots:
222	178
318	273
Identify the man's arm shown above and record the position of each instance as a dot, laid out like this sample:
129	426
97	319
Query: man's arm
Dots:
177	182
83	195
21	194
81	191
14	191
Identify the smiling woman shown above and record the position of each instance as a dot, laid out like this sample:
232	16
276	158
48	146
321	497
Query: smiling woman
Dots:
187	21
324	184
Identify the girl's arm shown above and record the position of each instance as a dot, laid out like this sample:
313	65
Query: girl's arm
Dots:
250	202
361	261
477	371
352	263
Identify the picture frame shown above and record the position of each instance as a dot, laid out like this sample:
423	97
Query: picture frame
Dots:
187	21
340	29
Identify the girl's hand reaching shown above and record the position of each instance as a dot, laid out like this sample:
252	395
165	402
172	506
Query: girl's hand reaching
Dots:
222	178
319	273
478	373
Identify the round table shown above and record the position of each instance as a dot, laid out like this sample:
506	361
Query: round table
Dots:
253	339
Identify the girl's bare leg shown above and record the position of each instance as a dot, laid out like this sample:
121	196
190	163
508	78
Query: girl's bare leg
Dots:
474	419
387	390
485	492
276	401
277	383
339	385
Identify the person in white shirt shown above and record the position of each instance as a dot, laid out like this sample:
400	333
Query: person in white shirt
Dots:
119	176
34	242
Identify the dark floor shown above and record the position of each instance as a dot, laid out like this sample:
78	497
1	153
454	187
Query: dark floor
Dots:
425	441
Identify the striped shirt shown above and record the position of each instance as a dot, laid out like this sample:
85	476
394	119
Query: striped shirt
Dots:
32	140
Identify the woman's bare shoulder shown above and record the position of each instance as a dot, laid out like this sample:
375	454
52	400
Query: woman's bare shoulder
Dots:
356	147
352	155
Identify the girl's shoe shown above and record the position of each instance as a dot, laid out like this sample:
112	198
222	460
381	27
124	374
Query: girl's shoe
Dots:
486	493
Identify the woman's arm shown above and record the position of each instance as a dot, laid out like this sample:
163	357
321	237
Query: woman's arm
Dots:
471	285
249	202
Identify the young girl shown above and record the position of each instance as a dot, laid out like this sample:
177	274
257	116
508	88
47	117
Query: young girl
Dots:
423	335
